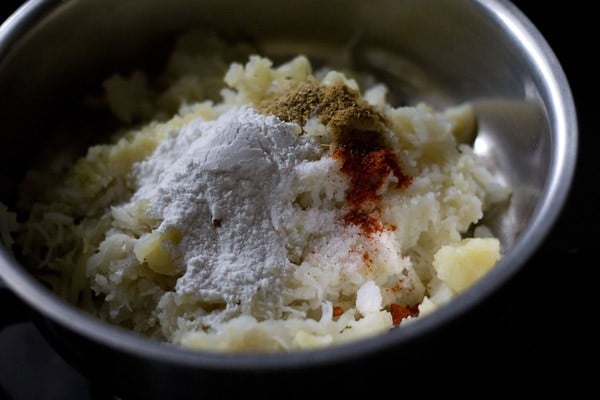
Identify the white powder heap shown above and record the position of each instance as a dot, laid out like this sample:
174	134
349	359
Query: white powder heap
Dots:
226	186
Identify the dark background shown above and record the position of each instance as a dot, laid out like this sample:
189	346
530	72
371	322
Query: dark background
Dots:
534	337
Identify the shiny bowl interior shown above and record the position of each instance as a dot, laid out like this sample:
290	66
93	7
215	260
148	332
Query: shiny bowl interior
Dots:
54	52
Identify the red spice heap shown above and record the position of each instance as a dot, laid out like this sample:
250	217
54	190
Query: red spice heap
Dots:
368	163
360	146
400	312
337	311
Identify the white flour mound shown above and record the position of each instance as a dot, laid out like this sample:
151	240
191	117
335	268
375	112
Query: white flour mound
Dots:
226	185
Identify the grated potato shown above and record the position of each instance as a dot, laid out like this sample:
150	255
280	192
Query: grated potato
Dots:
101	250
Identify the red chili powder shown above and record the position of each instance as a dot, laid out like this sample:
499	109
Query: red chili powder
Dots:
368	162
337	311
399	312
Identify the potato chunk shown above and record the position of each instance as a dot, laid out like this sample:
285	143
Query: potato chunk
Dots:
155	249
460	265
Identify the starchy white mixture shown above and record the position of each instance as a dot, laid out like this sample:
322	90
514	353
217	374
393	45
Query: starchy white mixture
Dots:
294	210
225	188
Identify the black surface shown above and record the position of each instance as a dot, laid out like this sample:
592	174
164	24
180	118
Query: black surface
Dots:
533	337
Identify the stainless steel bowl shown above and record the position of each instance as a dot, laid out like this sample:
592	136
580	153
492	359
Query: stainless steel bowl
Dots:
53	52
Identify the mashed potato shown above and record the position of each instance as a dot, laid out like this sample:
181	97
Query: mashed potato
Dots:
253	206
